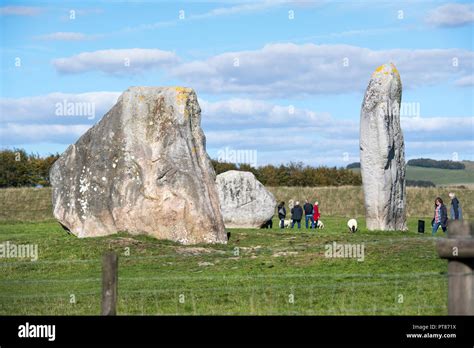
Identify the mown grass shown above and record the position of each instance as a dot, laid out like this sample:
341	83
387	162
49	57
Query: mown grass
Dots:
257	272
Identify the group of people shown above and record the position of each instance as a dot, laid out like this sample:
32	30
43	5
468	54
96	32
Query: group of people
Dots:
310	212
440	218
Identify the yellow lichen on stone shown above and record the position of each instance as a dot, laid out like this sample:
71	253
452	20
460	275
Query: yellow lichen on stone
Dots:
182	94
379	68
180	89
386	69
395	71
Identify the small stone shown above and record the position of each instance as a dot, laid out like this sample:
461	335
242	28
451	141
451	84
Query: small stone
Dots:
245	202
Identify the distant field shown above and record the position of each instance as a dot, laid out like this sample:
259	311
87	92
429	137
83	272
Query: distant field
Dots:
441	176
29	204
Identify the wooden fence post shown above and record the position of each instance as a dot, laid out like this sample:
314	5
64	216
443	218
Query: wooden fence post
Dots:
109	283
458	248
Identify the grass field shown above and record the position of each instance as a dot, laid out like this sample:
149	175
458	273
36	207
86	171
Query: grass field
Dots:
258	272
441	177
28	204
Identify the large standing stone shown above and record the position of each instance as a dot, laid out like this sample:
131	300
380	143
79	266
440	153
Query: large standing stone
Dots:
142	169
382	151
245	202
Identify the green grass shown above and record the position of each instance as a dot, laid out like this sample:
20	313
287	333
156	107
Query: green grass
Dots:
255	273
441	177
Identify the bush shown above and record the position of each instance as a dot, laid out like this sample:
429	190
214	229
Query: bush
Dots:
17	168
295	174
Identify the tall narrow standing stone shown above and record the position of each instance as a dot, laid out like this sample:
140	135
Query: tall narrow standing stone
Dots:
382	151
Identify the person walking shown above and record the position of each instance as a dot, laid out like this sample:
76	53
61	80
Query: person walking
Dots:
456	212
308	213
440	216
282	214
316	214
296	215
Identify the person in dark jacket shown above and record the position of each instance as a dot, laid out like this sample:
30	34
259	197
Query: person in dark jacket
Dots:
440	216
308	213
456	213
282	214
296	215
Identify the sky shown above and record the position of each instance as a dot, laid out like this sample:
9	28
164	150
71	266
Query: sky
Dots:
277	81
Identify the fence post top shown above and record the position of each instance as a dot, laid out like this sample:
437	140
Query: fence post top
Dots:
460	229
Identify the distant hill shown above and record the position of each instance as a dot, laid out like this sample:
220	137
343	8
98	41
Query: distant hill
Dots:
430	163
441	176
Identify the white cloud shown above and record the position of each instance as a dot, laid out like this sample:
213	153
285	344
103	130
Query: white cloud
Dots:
287	69
250	7
279	133
81	12
20	11
466	81
14	133
451	15
116	61
283	69
240	9
438	124
66	36
43	108
247	113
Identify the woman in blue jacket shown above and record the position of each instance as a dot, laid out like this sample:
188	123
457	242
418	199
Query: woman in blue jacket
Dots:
456	213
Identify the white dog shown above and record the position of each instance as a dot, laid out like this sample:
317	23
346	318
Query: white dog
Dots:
320	224
287	223
352	224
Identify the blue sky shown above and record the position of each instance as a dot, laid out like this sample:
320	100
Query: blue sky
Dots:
282	78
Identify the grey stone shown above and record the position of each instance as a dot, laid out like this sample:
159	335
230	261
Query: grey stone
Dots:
143	169
382	151
245	202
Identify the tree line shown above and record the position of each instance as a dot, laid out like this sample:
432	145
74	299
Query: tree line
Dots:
295	174
431	163
20	169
